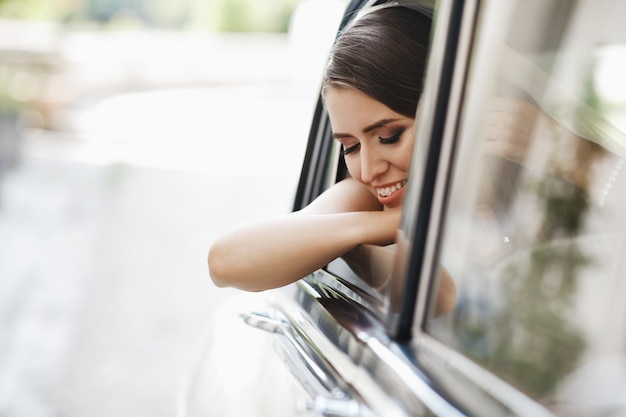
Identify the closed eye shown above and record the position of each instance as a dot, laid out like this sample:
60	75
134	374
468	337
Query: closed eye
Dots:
390	140
351	149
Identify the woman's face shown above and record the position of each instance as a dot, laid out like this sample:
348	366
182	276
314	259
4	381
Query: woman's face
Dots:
377	142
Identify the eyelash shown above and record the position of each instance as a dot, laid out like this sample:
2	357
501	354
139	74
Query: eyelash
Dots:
395	138
351	149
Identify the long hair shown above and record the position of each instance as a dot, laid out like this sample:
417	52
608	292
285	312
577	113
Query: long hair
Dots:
383	54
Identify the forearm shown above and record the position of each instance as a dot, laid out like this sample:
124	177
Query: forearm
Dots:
276	252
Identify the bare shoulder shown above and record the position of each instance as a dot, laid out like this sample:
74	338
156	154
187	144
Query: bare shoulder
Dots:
346	196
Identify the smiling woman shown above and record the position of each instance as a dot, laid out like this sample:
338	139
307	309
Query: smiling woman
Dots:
371	90
377	142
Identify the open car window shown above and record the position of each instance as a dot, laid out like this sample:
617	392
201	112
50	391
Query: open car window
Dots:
365	274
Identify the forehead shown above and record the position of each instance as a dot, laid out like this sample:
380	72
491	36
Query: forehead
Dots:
350	110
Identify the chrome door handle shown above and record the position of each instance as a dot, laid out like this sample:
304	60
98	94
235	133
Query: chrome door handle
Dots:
264	322
332	407
331	398
304	353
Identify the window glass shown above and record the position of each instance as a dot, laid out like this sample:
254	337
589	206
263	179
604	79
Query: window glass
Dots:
535	227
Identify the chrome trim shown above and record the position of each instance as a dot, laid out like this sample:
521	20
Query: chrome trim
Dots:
361	296
264	322
419	198
352	346
335	408
405	372
305	361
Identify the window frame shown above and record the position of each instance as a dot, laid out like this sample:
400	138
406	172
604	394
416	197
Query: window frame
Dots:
465	384
431	163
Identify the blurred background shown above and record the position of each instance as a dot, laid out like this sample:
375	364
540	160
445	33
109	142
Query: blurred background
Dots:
132	133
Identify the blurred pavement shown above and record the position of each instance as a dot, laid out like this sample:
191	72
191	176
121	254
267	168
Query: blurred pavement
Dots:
106	219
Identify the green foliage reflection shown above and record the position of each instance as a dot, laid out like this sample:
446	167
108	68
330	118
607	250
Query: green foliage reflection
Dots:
215	15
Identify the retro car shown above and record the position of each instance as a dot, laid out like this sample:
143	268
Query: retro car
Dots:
517	190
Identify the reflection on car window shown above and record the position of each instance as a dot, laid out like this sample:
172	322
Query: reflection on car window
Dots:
535	231
367	264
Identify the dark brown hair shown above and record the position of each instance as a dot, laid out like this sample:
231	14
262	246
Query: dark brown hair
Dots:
383	54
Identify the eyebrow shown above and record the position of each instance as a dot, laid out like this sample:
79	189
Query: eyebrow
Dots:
367	129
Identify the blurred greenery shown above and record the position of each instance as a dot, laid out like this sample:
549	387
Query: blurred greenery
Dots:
33	9
213	15
252	15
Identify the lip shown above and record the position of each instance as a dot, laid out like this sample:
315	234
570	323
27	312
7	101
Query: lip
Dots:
395	198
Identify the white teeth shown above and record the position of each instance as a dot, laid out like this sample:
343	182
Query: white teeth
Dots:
387	191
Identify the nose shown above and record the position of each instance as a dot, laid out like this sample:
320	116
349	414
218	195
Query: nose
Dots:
372	164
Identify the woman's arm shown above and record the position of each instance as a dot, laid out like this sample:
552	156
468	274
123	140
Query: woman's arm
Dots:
275	252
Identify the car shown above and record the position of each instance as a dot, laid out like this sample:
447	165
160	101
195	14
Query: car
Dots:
516	192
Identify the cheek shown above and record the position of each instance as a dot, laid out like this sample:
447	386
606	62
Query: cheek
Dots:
354	167
405	161
403	155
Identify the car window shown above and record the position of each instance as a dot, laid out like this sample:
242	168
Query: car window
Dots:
534	230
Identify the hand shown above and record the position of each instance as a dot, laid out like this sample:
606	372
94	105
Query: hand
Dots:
384	227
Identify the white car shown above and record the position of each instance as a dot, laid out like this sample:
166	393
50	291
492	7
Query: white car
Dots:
517	189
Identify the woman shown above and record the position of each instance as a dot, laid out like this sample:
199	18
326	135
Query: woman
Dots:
371	88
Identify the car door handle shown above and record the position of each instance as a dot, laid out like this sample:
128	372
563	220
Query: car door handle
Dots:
332	407
314	363
329	392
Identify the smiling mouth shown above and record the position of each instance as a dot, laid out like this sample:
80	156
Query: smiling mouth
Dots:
387	191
